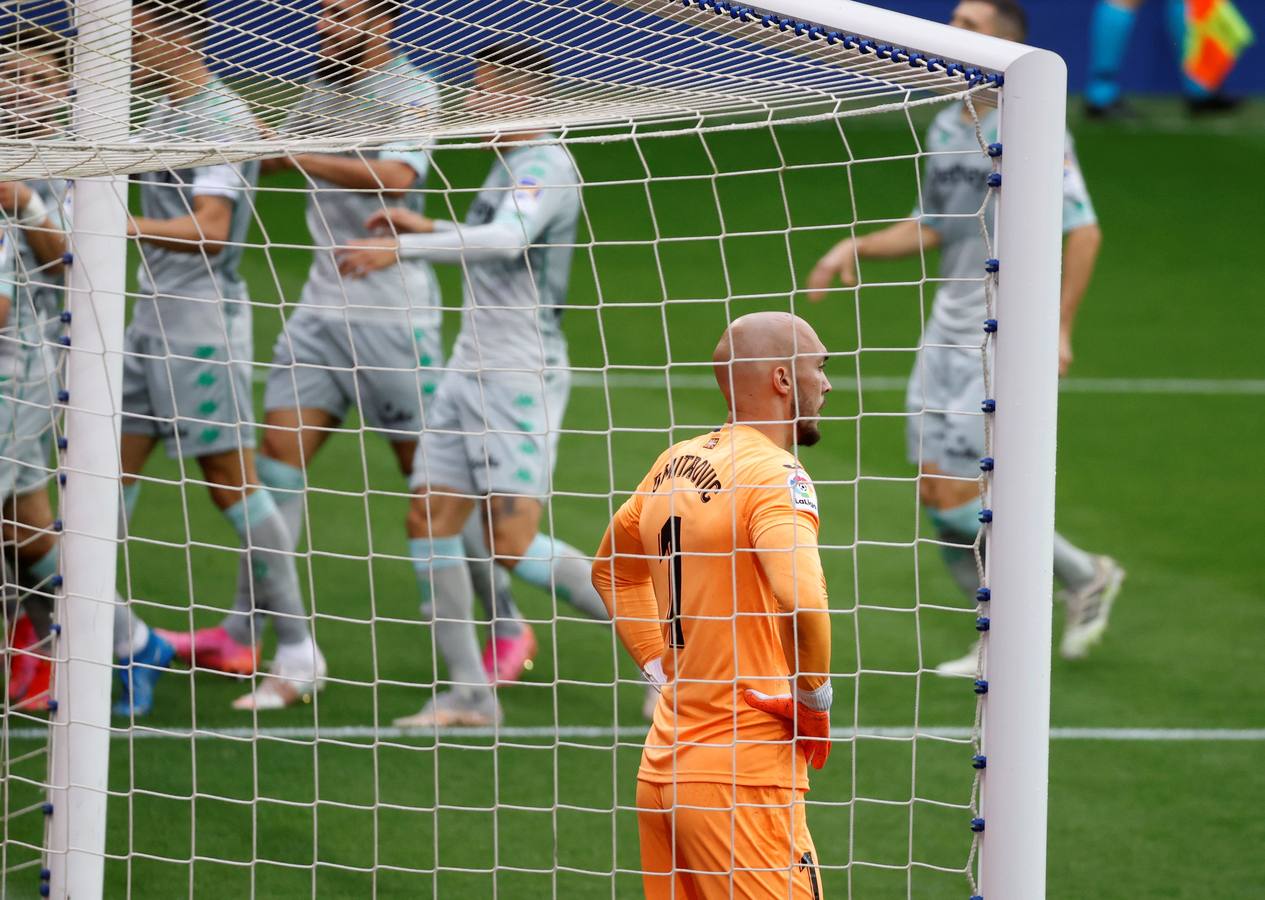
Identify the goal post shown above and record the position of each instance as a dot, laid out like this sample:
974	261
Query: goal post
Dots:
632	77
89	474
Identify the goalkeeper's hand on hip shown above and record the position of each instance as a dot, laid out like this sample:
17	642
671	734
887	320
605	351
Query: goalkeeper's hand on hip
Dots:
808	713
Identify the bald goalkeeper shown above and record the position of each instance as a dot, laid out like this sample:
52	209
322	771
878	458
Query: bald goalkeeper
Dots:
711	573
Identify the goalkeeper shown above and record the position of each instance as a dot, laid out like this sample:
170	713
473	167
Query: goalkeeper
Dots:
492	429
712	575
186	370
948	374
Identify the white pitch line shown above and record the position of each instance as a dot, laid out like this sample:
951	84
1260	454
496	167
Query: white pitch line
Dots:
634	732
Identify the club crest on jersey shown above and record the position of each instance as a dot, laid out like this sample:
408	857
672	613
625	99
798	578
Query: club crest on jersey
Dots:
803	494
527	187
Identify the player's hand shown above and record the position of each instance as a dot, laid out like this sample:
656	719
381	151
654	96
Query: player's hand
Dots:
813	725
1065	353
397	220
367	255
14	195
654	674
839	263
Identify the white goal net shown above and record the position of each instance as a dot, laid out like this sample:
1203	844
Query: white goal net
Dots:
354	322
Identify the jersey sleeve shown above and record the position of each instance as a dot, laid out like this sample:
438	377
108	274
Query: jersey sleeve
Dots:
621	575
225	180
1078	209
7	270
421	103
541	188
779	493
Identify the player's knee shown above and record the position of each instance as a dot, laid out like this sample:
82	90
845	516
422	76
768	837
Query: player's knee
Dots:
434	514
283	445
939	491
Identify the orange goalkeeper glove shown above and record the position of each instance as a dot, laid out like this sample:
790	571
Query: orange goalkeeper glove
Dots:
808	713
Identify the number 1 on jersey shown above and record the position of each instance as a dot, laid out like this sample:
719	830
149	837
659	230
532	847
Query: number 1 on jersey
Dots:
670	544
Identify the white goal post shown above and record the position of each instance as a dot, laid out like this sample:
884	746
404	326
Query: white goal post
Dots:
901	60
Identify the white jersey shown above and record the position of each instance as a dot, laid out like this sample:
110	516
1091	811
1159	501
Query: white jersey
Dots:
516	246
397	96
182	294
953	191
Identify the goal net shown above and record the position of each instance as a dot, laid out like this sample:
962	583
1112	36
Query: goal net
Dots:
272	268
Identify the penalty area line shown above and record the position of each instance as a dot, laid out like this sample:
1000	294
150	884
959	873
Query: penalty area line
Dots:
632	732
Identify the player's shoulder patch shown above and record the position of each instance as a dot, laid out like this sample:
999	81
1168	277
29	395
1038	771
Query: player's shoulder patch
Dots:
803	492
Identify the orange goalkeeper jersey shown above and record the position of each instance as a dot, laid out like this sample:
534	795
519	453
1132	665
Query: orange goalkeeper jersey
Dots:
694	522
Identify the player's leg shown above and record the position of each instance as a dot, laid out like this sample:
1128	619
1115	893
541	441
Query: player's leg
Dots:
444	492
1110	27
268	568
303	401
655	822
1198	98
147	414
548	562
308	394
511	644
949	447
743	842
29	516
141	652
435	519
29	529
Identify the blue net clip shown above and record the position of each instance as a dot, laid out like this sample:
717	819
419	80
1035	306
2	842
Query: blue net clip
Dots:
994	150
977	824
981	686
986	516
990	326
979	761
989	406
982	623
983	595
992	265
993	179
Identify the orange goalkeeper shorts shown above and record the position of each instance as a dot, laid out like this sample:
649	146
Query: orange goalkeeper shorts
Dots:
701	841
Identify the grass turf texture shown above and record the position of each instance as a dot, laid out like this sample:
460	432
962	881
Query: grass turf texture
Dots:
1155	480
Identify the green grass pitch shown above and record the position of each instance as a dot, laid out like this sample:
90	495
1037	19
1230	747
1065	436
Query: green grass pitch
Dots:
1163	481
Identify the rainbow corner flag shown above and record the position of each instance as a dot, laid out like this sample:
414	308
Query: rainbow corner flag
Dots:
1216	35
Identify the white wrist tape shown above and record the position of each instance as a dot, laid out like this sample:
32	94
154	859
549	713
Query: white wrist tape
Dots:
819	699
653	673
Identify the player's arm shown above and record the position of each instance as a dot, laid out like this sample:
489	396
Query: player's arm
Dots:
782	526
893	242
1081	243
534	203
204	231
790	561
392	177
621	576
216	190
25	208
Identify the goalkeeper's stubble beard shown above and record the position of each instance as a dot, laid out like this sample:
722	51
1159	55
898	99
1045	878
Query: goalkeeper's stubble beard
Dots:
807	431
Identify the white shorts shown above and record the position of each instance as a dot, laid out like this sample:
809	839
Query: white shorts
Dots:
493	434
387	369
196	397
946	389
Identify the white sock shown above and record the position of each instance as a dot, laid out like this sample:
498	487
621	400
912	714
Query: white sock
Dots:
1073	567
562	570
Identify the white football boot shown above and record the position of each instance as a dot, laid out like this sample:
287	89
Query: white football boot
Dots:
295	675
1089	608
